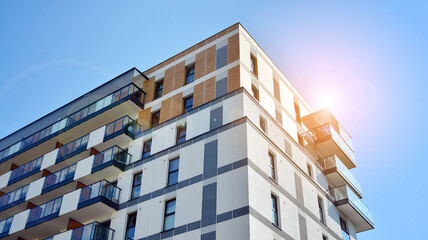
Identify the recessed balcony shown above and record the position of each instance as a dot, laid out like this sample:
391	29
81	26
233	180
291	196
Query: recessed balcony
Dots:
127	100
338	174
353	208
329	136
51	217
95	231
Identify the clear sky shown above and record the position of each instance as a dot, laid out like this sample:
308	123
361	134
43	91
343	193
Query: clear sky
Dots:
366	60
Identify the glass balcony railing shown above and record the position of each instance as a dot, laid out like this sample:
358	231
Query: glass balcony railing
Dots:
102	190
59	178
327	130
113	155
333	161
123	125
25	170
12	198
130	91
44	212
344	193
72	148
92	231
5	226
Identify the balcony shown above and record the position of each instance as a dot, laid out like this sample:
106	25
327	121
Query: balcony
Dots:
25	171
95	231
5	226
110	162
338	174
72	148
329	136
353	208
13	198
52	217
59	178
127	100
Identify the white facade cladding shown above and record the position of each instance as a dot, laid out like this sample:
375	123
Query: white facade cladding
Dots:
242	165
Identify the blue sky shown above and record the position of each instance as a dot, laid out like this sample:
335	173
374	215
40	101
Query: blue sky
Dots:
367	57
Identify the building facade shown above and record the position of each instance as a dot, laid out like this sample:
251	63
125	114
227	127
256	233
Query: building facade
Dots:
213	143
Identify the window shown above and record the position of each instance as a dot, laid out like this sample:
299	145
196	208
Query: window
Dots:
297	112
181	134
136	185
253	66
344	227
255	92
263	124
272	166
155	118
173	171
130	226
274	210
158	89
190	74
147	148
188	103
169	215
321	209
324	237
221	59
309	170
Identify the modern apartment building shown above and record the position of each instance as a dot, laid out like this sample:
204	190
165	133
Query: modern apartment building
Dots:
213	143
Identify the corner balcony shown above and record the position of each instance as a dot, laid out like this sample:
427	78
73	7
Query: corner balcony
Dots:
329	136
338	174
95	231
47	219
353	208
127	100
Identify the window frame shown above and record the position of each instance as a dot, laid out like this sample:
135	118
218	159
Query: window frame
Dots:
151	119
181	139
168	184
272	165
189	75
253	65
263	124
158	91
275	209
133	215
310	170
184	104
255	92
321	209
166	214
144	148
135	186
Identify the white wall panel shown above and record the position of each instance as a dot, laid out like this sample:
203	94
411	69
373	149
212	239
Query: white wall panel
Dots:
49	159
70	202
96	137
84	167
35	188
19	221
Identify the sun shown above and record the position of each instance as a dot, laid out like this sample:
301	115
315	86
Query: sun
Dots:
328	101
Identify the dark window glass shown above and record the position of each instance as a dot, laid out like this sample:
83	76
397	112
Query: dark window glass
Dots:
253	66
321	209
181	134
158	89
190	74
309	170
274	210
155	118
188	103
263	124
169	215
272	166
255	92
136	186
130	226
344	227
147	147
221	59
324	237
173	171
